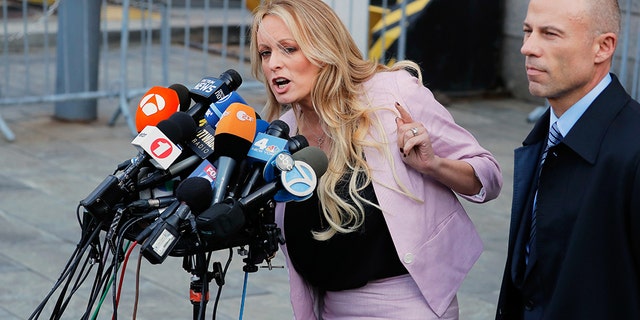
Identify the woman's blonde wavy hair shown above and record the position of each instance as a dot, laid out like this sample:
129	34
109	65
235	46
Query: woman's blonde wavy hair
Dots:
336	94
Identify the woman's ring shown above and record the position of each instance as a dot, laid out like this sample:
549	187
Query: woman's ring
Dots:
415	131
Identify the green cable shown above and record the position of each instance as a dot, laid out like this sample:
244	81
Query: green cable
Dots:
113	277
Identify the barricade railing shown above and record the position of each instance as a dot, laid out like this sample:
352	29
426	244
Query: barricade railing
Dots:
144	43
628	65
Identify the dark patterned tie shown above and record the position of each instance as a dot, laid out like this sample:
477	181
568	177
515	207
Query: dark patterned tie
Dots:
554	138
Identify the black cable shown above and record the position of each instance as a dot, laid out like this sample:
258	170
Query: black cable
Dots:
99	283
224	273
102	277
81	247
82	276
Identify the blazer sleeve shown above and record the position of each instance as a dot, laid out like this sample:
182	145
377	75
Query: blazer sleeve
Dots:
449	139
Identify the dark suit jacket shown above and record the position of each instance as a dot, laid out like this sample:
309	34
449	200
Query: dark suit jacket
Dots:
587	251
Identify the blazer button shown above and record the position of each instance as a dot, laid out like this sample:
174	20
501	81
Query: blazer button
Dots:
408	258
529	305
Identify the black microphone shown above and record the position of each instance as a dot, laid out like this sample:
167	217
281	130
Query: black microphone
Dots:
183	96
300	180
194	195
210	89
114	188
173	171
234	134
297	143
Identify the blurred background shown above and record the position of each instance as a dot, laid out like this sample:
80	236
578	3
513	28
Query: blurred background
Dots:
52	51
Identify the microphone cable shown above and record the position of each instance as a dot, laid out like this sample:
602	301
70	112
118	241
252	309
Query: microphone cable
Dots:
137	290
221	283
130	246
103	297
87	239
244	294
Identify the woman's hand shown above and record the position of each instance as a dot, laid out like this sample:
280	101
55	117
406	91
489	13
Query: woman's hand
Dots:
414	142
415	145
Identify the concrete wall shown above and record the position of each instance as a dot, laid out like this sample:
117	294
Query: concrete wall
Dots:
513	73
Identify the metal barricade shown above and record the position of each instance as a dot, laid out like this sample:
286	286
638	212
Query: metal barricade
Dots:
145	43
142	44
627	66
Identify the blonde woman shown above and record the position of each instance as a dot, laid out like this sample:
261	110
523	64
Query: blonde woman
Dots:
386	236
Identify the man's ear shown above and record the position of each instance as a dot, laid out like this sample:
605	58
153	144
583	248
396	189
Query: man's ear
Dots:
606	46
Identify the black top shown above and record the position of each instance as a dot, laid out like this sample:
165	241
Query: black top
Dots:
345	261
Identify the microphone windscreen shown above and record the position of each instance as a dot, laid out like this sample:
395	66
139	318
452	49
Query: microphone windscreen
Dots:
314	157
232	78
235	131
296	143
278	128
171	129
186	124
158	104
196	192
183	96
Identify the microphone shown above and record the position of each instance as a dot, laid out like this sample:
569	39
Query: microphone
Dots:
206	170
183	96
210	89
261	125
299	179
233	138
161	142
272	141
202	143
296	182
171	172
158	104
297	143
186	124
217	109
266	146
194	196
156	141
156	144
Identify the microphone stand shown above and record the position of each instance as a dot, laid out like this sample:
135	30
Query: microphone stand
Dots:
199	286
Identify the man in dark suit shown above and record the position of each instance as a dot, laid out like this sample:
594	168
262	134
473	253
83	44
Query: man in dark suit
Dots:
574	242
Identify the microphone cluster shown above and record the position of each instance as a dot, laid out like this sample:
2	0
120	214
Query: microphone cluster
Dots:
206	176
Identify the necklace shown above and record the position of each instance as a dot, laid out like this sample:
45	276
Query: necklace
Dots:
320	140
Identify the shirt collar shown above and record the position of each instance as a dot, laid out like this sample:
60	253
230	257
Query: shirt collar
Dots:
571	116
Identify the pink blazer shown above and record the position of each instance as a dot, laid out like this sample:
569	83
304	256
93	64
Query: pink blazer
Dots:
435	239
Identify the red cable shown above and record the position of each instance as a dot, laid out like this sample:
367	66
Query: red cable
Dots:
124	268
